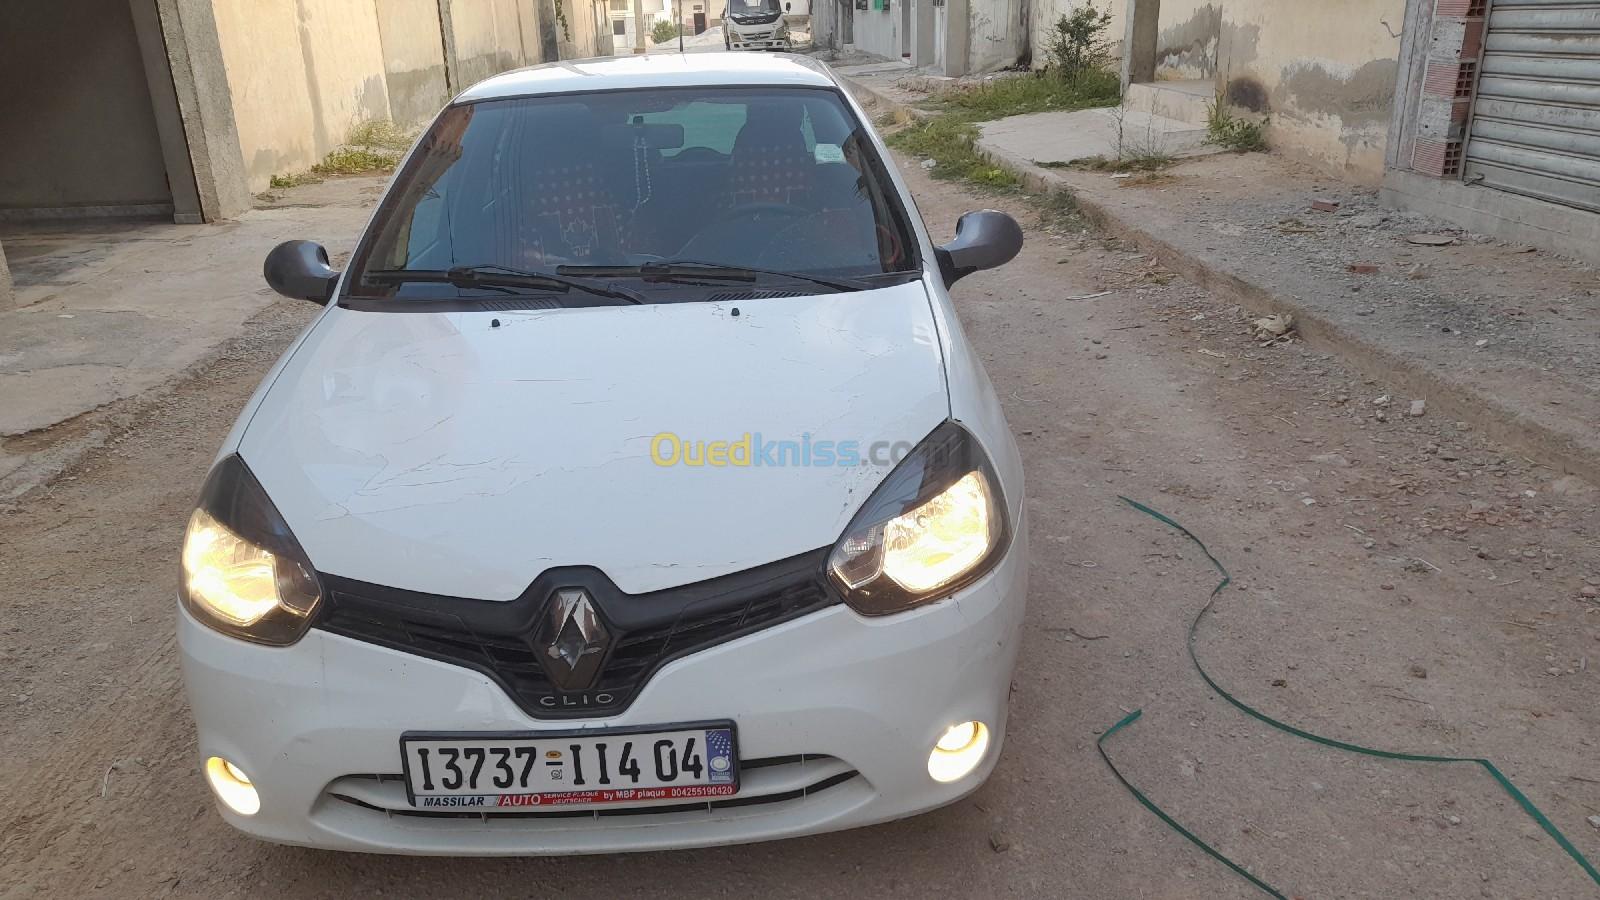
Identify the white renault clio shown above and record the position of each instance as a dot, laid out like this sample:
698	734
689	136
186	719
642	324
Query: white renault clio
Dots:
636	489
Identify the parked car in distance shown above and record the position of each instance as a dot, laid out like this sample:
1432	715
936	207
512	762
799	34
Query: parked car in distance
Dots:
637	472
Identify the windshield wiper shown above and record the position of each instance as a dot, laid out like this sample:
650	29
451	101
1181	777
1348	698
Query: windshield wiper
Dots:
497	276
685	269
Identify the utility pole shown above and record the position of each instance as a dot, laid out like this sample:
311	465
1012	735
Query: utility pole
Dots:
638	27
679	14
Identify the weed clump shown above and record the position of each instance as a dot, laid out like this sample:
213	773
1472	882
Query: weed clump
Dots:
1238	134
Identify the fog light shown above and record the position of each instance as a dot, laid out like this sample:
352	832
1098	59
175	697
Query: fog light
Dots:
232	786
958	751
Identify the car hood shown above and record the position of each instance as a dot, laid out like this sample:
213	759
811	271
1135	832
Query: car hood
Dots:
465	453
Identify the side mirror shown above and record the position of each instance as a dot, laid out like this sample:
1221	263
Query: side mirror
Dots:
299	269
984	240
788	7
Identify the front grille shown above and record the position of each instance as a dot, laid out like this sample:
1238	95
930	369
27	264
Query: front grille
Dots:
764	781
647	630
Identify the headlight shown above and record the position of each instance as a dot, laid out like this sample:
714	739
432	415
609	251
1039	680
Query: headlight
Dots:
244	574
934	525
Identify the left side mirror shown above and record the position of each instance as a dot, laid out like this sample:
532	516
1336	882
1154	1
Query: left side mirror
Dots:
984	240
788	7
299	269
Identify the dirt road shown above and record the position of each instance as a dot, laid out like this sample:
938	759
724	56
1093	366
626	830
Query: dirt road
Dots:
1398	583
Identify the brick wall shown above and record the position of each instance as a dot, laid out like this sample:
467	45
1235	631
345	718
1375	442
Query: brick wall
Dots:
1447	86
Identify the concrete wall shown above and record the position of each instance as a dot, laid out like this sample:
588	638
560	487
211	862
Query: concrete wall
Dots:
1324	72
998	34
489	37
878	31
413	59
302	74
75	112
1189	34
1044	13
1186	47
199	78
591	30
1326	75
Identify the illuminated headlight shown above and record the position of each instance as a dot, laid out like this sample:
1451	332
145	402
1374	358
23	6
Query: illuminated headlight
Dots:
933	526
243	572
232	577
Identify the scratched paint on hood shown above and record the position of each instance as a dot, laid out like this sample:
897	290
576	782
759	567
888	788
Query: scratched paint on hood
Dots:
440	453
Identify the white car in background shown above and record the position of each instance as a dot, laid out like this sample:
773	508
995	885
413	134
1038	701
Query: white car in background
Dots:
636	489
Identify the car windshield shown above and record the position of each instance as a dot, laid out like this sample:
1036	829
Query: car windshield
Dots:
655	187
752	7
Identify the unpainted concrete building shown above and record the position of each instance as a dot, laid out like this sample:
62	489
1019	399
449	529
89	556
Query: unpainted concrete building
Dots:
1323	74
1481	112
185	108
943	37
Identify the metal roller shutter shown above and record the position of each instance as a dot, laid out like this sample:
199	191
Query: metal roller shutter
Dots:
1536	120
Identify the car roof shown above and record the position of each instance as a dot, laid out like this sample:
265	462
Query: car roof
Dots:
663	70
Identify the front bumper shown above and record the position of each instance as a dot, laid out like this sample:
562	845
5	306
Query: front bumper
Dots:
767	43
842	709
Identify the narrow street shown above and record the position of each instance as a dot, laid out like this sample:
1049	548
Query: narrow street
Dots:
1398	584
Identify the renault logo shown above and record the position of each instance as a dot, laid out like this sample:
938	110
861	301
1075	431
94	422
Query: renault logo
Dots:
572	640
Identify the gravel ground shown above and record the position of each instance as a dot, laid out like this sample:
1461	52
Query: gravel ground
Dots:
1399	582
1505	336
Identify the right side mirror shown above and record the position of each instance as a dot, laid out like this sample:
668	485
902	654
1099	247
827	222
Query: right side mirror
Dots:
985	239
300	270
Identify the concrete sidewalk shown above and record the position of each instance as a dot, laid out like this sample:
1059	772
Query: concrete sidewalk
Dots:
1501	336
108	312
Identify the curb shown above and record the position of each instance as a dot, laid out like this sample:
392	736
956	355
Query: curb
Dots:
872	98
1497	420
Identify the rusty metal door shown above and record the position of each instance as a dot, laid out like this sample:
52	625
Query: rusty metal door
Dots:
1536	120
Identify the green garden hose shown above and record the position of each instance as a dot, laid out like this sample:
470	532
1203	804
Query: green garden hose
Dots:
1194	627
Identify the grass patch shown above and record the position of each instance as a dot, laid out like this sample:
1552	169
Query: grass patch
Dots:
1033	92
374	146
356	161
952	145
380	134
1240	135
278	182
950	138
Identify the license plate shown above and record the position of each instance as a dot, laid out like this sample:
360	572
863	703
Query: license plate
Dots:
482	771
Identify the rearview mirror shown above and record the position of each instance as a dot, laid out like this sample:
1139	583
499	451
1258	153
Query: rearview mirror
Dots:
299	269
984	240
